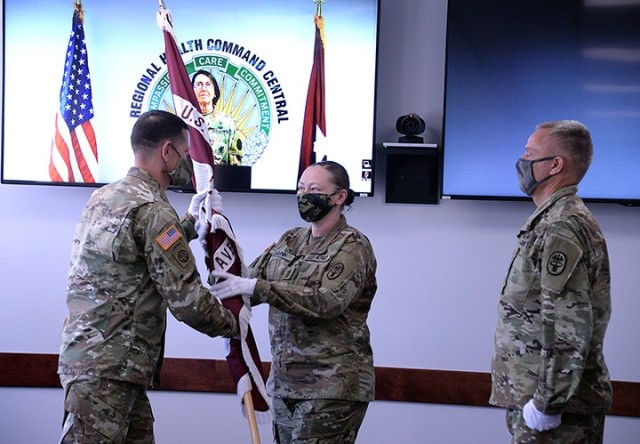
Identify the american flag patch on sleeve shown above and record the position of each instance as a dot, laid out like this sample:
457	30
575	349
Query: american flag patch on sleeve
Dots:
169	237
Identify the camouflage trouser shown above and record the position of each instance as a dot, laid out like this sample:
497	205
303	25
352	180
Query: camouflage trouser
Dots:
105	411
574	429
317	421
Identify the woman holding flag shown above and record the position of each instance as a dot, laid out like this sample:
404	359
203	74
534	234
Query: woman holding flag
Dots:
319	282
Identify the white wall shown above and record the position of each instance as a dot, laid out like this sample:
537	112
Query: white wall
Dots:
440	270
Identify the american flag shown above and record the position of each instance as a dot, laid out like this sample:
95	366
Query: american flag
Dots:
74	152
169	237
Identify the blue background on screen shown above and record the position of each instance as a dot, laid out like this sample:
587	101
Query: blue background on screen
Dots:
514	64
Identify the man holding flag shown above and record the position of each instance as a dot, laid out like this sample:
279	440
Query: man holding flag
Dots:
130	261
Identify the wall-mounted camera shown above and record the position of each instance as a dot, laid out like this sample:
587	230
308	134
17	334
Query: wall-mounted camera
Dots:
410	125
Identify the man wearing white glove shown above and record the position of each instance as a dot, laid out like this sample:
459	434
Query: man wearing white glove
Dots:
214	201
548	368
193	212
202	200
131	264
536	420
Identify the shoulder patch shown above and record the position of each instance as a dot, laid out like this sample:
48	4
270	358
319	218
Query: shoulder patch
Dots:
556	263
169	237
559	259
335	271
182	256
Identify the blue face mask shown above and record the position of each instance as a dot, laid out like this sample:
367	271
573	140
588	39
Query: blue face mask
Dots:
526	181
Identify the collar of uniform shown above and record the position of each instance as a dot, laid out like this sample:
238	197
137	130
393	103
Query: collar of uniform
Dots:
143	175
562	192
330	234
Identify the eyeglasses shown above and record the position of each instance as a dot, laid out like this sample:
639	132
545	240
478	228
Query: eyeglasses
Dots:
201	85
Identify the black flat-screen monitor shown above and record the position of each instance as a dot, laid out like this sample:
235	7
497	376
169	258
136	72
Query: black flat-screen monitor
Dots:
259	52
511	64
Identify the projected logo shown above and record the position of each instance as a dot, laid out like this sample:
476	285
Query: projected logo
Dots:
244	98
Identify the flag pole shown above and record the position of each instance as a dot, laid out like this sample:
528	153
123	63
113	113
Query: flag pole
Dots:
251	416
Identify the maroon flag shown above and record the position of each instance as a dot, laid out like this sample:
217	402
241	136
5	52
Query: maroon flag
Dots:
221	249
74	151
314	115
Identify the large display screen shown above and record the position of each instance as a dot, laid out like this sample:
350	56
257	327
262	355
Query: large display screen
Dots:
512	64
260	54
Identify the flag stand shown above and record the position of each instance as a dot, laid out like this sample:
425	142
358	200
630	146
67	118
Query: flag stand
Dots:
251	416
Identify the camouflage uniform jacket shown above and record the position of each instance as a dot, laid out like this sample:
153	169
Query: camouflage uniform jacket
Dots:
320	292
130	260
553	313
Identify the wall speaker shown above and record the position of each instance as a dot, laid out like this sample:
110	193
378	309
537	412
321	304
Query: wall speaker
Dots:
412	177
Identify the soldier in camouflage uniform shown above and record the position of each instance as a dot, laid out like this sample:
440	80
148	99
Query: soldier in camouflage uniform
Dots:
319	282
130	261
548	369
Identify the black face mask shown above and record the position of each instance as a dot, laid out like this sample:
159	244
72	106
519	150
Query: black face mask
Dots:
526	181
314	206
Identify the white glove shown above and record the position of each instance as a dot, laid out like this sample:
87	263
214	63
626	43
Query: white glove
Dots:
229	285
196	201
536	420
214	201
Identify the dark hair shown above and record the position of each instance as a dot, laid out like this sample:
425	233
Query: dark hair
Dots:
216	88
155	126
574	140
340	178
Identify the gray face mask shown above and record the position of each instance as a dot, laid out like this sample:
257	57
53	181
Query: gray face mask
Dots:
526	181
182	173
